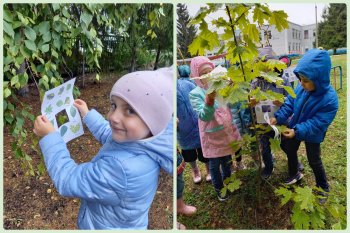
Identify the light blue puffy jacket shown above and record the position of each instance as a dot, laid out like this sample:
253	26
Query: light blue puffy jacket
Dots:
118	185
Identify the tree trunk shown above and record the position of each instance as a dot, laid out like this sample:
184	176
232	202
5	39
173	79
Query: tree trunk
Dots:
133	57
157	58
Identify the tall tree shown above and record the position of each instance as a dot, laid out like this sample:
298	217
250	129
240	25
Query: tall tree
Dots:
185	33
332	31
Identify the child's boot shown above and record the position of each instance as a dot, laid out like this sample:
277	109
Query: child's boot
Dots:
184	209
180	226
196	173
208	176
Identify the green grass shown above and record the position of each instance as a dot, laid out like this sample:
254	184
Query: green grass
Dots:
254	205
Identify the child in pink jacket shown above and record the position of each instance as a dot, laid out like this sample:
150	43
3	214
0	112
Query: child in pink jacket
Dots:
216	129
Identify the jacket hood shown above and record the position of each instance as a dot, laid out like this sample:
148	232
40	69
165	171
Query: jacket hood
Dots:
184	71
159	147
196	63
316	66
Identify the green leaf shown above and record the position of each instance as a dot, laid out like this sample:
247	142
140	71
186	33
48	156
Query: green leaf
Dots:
252	31
8	29
7	92
97	77
300	219
30	33
275	145
86	18
8	16
65	13
30	45
44	27
25	51
290	91
279	19
54	53
45	48
46	37
232	186
287	195
55	7
14	80
305	198
317	220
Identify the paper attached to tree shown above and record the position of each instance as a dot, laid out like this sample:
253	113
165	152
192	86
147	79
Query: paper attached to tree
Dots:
264	107
61	99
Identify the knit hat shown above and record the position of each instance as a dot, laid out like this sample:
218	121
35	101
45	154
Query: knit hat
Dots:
196	65
267	52
150	94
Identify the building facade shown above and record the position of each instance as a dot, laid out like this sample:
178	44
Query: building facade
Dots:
296	39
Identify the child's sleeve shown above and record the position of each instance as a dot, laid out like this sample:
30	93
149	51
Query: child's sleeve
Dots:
204	111
318	124
285	111
90	181
98	125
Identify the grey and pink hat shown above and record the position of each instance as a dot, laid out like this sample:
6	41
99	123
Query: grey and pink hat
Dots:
150	94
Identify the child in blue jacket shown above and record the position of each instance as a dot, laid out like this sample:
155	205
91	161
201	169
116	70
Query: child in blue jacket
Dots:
187	128
118	185
311	112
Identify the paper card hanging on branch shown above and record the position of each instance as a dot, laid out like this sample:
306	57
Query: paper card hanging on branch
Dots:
61	99
264	107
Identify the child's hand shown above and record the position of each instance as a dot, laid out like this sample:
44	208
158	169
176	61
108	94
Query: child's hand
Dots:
289	133
81	106
273	121
210	98
42	126
277	103
253	102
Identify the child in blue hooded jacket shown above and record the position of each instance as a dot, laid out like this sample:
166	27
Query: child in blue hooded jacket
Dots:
187	128
311	112
118	185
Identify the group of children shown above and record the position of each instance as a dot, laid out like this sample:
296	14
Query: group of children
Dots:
118	185
307	117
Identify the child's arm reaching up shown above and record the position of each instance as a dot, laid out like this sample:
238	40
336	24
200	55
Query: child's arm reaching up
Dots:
96	123
89	181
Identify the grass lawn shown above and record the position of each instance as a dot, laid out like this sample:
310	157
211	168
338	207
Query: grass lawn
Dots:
254	205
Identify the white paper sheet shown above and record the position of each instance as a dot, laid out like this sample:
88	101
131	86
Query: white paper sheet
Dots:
61	99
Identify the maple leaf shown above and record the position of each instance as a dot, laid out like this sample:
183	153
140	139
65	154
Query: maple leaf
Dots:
305	197
287	195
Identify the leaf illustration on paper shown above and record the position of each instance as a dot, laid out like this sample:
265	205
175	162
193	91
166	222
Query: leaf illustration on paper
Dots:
75	128
59	103
50	97
68	87
48	109
63	130
67	101
61	90
73	111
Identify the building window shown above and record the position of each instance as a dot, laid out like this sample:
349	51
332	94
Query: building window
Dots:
289	48
306	34
314	33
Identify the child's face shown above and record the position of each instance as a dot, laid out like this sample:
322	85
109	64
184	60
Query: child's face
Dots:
307	84
204	71
125	123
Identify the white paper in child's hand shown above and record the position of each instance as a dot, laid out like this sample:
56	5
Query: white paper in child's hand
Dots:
61	99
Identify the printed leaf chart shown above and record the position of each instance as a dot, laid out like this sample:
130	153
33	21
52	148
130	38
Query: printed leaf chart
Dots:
61	99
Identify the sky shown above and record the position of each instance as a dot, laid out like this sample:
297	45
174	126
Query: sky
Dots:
302	14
